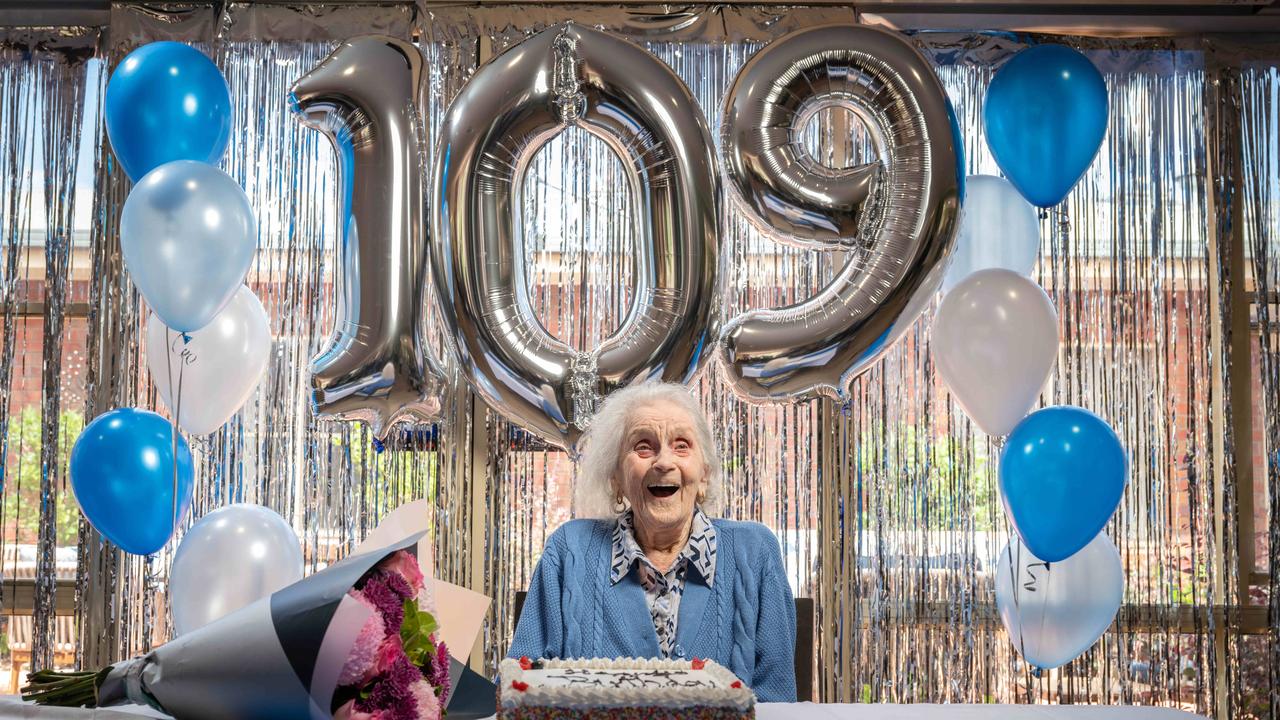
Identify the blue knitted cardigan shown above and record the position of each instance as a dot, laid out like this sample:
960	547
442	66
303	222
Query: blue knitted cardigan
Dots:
746	621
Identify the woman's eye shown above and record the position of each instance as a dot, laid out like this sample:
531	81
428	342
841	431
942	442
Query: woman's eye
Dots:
643	447
680	445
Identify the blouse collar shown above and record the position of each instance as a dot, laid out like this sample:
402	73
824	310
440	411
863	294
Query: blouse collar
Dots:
699	552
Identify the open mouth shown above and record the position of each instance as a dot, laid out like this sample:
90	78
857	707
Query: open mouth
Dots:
663	491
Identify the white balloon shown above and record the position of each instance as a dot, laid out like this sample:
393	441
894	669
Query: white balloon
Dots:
1056	611
216	367
999	228
995	337
231	557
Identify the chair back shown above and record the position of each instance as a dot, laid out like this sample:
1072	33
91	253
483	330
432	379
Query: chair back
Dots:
804	643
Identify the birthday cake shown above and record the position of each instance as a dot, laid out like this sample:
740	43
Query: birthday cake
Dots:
621	688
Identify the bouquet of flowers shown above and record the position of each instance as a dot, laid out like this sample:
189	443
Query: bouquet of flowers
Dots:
397	669
351	642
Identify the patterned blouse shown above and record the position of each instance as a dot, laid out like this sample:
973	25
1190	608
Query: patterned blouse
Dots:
662	591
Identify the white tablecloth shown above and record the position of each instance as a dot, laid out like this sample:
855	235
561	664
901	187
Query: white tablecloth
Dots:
812	711
11	707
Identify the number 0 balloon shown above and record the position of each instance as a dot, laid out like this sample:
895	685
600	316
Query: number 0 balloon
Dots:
572	75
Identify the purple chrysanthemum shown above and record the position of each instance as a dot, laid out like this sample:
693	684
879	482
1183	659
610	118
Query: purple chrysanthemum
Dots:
381	590
440	672
392	692
396	582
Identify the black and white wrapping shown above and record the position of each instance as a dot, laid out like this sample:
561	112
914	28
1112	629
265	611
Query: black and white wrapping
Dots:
276	659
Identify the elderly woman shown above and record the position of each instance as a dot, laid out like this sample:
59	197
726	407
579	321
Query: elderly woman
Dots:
654	575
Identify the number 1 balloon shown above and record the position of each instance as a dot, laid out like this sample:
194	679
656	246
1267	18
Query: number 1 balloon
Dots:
573	75
896	215
366	98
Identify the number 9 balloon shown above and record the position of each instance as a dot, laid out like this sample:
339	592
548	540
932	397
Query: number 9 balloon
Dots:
898	215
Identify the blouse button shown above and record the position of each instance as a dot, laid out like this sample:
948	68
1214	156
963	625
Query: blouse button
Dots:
679	651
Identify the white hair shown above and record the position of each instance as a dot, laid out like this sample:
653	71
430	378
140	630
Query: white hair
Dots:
593	493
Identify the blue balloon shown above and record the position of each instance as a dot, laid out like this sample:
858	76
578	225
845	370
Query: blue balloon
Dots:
1062	474
167	101
188	236
1045	115
122	473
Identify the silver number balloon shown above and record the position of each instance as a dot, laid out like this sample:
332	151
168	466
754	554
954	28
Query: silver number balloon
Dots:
365	97
564	76
896	217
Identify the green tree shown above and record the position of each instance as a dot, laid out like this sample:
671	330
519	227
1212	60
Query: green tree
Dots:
21	479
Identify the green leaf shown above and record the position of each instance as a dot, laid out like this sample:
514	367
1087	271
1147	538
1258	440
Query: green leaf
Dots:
415	634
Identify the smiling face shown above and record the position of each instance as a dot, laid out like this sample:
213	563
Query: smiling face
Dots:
661	470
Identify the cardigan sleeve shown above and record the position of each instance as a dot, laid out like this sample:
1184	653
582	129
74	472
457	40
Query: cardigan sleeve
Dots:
540	629
774	677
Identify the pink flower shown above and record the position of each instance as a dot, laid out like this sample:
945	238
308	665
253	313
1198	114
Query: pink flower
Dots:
389	653
349	712
406	566
425	697
362	659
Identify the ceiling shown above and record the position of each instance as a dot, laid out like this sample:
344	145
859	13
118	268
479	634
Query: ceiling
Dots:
1087	17
1083	17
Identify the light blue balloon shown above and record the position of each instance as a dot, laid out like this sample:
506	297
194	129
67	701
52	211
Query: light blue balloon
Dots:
998	229
1062	474
1045	115
188	236
167	101
122	474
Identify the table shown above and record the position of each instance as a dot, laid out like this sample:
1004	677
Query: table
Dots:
11	707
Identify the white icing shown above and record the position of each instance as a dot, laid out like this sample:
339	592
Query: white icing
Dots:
622	682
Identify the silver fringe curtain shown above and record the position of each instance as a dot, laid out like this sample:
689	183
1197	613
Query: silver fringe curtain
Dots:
42	96
886	508
1260	137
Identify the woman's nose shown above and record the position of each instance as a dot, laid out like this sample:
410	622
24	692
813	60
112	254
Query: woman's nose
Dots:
665	459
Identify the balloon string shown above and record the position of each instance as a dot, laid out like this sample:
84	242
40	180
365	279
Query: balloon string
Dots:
177	410
1015	569
1048	578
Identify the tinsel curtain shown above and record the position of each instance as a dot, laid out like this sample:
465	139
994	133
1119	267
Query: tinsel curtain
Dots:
1259	95
886	508
43	81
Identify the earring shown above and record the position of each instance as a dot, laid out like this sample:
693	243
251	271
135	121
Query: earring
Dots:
619	505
